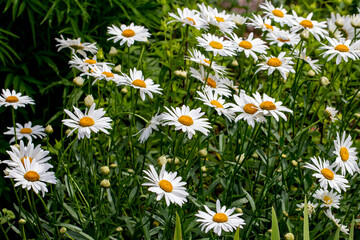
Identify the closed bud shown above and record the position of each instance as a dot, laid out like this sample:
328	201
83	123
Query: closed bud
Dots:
324	81
283	155
285	213
49	129
357	115
305	34
340	22
113	52
234	63
105	170
203	168
238	210
294	163
100	54
130	170
63	230
289	236
311	73
203	152
105	183
17	146
124	91
22	221
117	68
181	73
78	81
6	171
89	100
67	132
119	229
162	160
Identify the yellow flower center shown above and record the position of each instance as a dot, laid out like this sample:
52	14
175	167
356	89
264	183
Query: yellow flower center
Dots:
210	82
245	44
250	108
186	120
216	104
342	48
278	13
207	61
283	39
108	74
166	185
220	19
216	45
90	61
328	174
327	200
344	154
267	105
274	62
77	47
268	26
11	99
139	83
23	159
32	176
86	122
220	218
306	23
26	131
128	33
191	20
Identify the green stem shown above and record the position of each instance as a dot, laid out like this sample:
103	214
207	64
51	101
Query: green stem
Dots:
3	230
14	123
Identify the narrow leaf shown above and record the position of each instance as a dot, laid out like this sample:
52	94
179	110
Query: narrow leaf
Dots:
177	235
236	237
351	237
306	222
275	233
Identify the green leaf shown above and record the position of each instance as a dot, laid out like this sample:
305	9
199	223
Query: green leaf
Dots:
236	237
275	233
177	235
306	222
337	234
351	237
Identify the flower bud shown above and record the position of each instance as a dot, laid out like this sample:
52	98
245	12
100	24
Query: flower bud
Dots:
289	236
324	81
113	52
49	129
113	165
22	221
234	63
181	73
78	81
238	210
100	54
162	160
130	170
89	100
294	163
117	68
105	183
6	171
357	115
340	22
17	146
203	152
124	91
105	170
283	155
355	20
311	73
63	230
119	229
203	169
67	132
305	34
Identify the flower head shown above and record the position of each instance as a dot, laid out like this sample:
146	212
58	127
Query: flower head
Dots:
76	46
128	34
346	158
217	45
269	107
189	17
329	198
281	63
12	99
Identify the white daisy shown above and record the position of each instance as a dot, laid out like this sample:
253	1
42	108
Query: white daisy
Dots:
18	155
326	175
198	57
229	83
189	17
281	63
265	25
217	45
248	109
186	120
330	199
212	82
84	64
342	50
76	46
150	126
283	37
13	99
278	14
269	107
310	206
314	27
212	99
28	131
221	220
137	80
346	155
250	45
103	72
331	112
128	34
166	185
238	19
92	120
340	27
313	63
342	227
32	175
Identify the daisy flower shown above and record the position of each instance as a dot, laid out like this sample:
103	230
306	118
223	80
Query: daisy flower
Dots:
248	109
215	44
76	46
150	126
221	220
84	64
330	199
331	112
103	72
92	120
28	131
283	37
343	228
189	17
166	185
326	175
340	27
32	175
281	63
311	207
264	25
212	82
13	99
212	99
346	155
128	34
278	14
137	80
221	20
314	27
238	19
18	155
313	63
339	49
198	57
269	107
250	46
186	120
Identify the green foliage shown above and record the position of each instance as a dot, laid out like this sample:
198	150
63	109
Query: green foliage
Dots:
275	234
